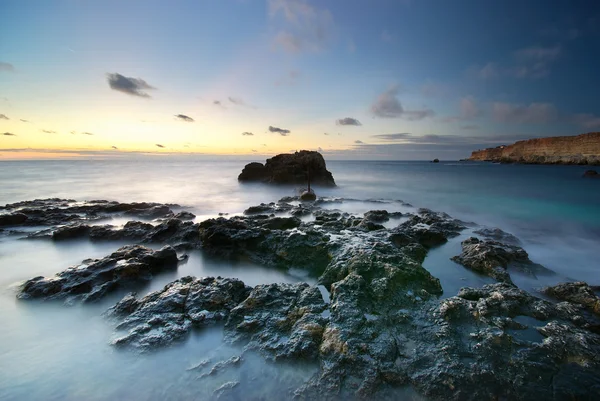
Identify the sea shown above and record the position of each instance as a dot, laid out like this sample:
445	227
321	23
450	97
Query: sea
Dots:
51	351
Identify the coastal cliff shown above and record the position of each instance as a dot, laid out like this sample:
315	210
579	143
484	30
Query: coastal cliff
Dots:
580	149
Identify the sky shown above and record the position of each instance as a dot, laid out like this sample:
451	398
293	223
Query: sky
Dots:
354	79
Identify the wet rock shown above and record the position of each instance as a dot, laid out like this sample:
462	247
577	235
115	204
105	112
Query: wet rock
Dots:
60	212
223	390
260	240
132	230
289	168
152	212
282	321
591	174
95	278
185	216
12	219
578	292
166	316
497	234
70	232
477	333
429	229
377	216
492	258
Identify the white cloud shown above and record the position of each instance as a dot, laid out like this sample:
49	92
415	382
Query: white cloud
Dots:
387	105
305	28
535	113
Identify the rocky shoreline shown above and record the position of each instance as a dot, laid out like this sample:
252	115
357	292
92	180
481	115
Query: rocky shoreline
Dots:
376	321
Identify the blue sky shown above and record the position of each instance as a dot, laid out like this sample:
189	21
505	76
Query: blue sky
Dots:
404	79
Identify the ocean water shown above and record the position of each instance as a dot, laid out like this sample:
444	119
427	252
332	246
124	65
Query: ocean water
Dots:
52	352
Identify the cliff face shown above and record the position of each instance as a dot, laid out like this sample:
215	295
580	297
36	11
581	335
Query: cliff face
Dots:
580	149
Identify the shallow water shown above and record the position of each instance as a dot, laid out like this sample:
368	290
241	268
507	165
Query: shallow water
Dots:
53	352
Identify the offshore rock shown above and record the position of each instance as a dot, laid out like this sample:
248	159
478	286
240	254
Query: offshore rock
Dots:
58	212
97	277
492	258
167	316
290	168
591	174
497	234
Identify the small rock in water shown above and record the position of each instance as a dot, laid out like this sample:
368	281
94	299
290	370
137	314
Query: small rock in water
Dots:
308	196
591	174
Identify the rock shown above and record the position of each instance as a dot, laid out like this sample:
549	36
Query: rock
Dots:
95	278
152	212
70	232
591	174
308	196
497	234
254	172
185	216
223	390
167	316
492	258
282	321
436	161
377	216
578	292
289	168
12	219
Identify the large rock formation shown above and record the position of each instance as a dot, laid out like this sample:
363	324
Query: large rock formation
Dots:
580	149
290	168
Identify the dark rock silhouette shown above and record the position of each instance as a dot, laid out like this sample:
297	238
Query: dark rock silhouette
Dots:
289	168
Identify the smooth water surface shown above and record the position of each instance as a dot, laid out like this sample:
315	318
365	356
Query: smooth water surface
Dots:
53	352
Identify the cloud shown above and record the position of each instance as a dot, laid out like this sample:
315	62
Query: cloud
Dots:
325	133
358	141
47	131
280	131
86	133
254	150
488	71
535	113
447	140
348	121
6	66
319	149
217	102
588	121
470	126
236	101
114	147
387	105
469	110
4	117
183	117
9	134
290	79
25	121
531	62
247	133
306	28
159	145
128	85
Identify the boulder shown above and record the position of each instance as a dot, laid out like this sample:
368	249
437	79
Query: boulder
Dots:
290	168
168	315
94	279
13	219
591	174
578	293
492	258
